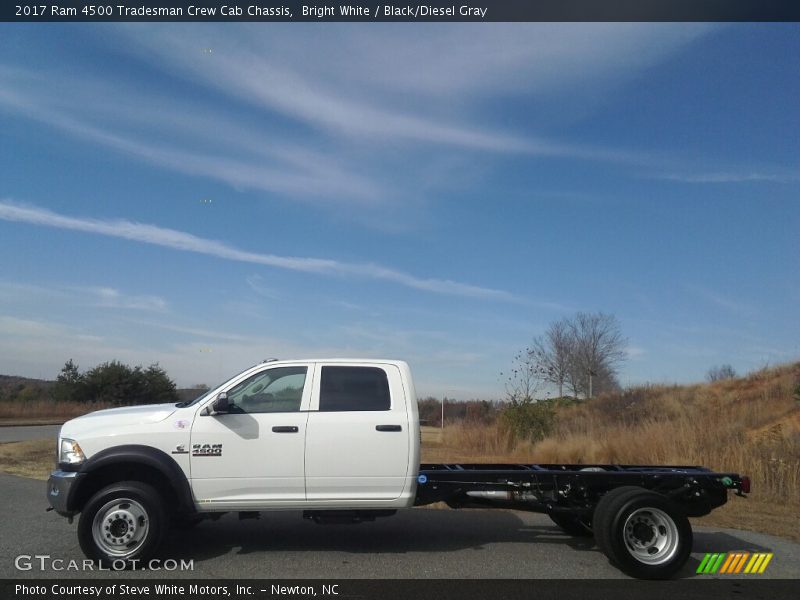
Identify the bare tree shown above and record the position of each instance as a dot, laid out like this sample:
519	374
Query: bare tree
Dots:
523	379
720	373
576	377
552	354
582	353
604	380
598	350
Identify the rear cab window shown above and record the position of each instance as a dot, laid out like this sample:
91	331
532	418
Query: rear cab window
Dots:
354	388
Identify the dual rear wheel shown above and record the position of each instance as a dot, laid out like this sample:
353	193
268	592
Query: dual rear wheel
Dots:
645	534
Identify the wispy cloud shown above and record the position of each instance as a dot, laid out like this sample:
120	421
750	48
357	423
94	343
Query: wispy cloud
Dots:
362	84
92	296
256	283
635	352
248	73
14	326
240	158
196	332
248	156
358	92
743	176
179	240
113	298
724	302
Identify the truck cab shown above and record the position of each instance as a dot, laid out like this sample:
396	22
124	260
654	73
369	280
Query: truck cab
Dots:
317	435
308	434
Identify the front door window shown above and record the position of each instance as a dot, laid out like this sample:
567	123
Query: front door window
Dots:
271	391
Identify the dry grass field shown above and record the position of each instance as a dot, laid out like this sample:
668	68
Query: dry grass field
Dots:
43	412
749	425
34	459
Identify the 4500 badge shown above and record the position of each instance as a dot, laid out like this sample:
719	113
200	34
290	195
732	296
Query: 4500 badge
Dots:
206	449
200	449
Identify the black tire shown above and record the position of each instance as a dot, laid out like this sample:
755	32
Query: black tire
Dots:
643	533
122	525
572	525
606	507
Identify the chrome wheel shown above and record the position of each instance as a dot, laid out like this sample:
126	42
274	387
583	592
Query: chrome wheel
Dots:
651	536
120	527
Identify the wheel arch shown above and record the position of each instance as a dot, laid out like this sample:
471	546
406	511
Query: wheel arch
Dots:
132	462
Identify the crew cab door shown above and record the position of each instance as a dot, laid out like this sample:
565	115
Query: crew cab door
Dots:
254	454
357	445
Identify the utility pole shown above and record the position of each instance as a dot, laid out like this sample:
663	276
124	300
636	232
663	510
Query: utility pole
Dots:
443	399
591	374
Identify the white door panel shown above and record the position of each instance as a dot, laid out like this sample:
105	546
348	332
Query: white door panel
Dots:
346	457
256	463
349	458
250	454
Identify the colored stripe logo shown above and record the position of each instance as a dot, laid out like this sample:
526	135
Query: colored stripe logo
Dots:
731	563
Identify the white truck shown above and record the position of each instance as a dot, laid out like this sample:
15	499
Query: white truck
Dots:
340	440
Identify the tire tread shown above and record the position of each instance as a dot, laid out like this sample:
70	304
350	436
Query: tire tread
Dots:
151	501
610	539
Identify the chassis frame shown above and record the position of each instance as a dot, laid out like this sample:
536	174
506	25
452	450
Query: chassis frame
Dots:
572	489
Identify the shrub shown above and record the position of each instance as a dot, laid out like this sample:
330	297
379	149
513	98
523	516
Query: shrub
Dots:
797	382
115	383
721	373
528	420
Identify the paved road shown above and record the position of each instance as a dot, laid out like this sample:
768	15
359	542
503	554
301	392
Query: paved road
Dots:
28	432
418	543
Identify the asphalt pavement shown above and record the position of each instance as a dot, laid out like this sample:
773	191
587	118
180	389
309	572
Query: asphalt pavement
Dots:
414	544
28	432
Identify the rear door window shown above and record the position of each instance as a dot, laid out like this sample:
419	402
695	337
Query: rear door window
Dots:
354	389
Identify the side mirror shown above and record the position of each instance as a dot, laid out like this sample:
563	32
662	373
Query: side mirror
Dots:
221	404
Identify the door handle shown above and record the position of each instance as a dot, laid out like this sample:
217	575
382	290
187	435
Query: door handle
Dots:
388	428
285	429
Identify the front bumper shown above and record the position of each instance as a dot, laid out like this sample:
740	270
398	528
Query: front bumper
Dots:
60	487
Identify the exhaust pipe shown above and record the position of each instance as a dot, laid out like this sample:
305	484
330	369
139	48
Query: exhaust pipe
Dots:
503	495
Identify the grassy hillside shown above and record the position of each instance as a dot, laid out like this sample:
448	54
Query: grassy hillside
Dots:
749	425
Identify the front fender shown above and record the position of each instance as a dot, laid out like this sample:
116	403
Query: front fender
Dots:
124	462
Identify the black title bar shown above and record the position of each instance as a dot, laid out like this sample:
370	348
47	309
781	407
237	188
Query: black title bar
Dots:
431	10
386	589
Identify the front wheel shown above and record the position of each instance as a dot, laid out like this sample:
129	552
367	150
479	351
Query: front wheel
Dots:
644	533
122	525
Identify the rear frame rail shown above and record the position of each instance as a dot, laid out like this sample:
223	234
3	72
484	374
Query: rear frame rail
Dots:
570	488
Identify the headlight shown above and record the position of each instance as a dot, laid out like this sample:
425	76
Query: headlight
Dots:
70	452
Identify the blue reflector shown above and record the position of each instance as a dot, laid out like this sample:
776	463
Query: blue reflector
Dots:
422	478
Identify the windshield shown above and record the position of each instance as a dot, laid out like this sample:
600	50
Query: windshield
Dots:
212	392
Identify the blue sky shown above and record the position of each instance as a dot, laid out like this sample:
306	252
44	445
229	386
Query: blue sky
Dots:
206	196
